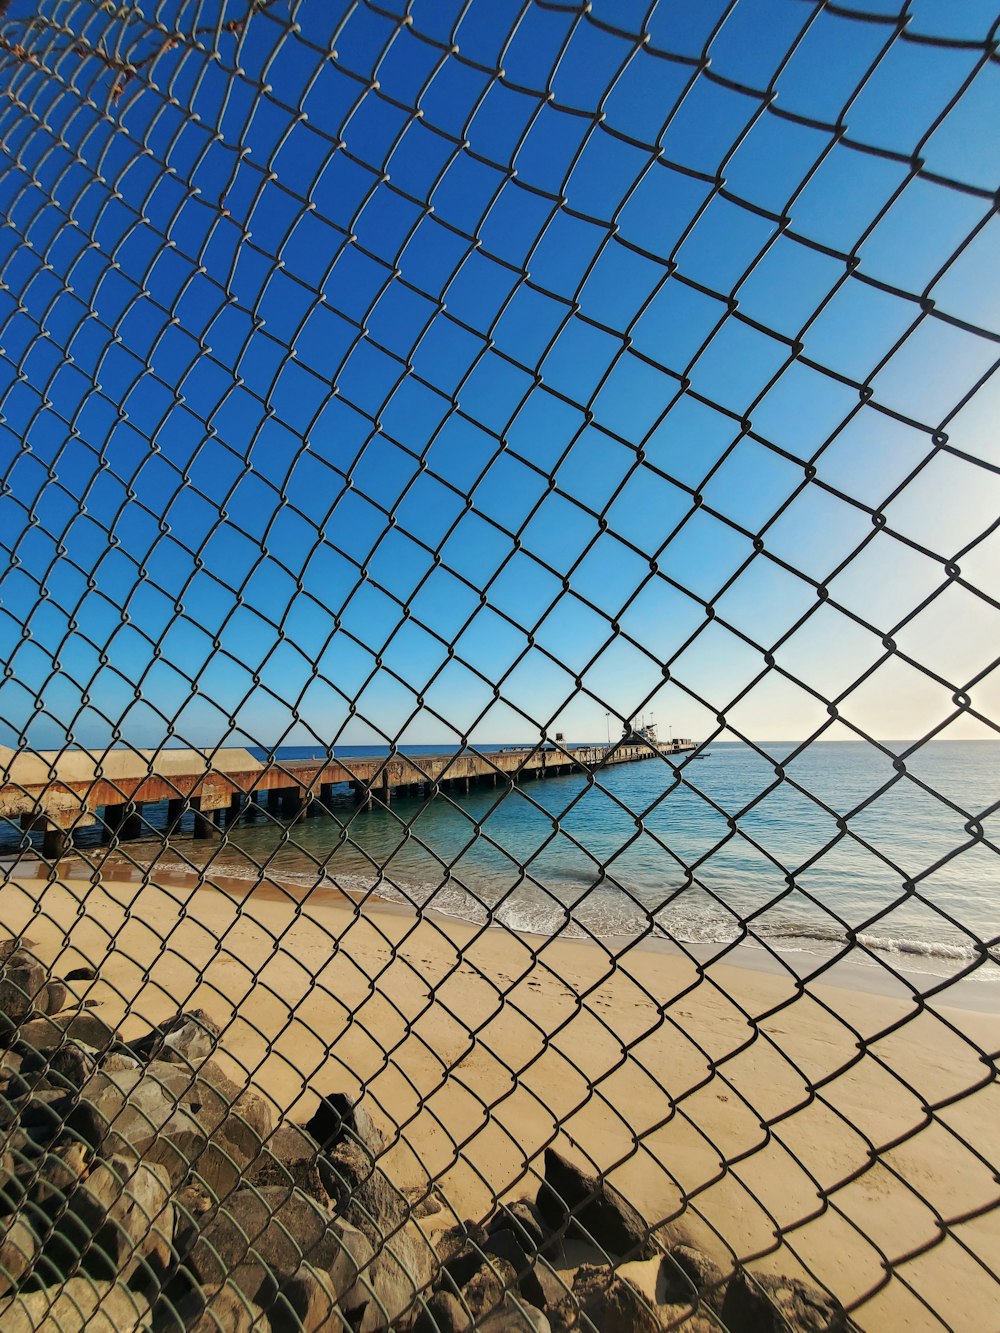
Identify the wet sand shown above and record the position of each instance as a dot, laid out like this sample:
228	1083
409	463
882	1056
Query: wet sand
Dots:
730	1098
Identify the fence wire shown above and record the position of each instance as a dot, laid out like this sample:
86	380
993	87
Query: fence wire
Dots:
401	404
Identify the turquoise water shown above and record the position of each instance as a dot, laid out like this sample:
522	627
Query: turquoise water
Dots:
804	852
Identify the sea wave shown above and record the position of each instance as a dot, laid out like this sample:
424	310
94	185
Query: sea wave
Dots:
606	915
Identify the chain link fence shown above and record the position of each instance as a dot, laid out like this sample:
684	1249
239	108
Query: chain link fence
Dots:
418	419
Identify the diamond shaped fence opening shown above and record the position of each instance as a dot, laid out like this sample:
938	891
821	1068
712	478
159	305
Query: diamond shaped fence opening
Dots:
499	618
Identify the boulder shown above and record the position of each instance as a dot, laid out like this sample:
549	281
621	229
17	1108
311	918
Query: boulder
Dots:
442	1313
524	1219
55	999
67	1066
361	1191
188	1038
80	1025
12	1085
22	983
141	1116
579	1205
19	1247
181	1119
51	1177
486	1292
43	1115
308	1297
517	1317
116	1061
763	1303
424	1202
680	1317
245	1117
461	1253
553	1286
259	1239
217	1309
289	1157
608	1301
688	1274
118	1220
505	1245
337	1118
12	1162
403	1267
80	1305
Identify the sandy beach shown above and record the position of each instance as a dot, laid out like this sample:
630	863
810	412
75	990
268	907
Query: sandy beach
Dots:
731	1100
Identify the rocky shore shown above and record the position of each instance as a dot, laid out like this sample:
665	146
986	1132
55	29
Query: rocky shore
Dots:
141	1188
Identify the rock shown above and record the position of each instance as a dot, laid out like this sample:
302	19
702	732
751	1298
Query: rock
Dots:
310	1298
79	1305
193	1203
71	1065
361	1191
44	1114
512	1316
290	1157
218	1309
55	998
118	1061
245	1117
687	1274
505	1245
610	1302
585	1206
403	1267
763	1303
19	1247
442	1313
554	1288
461	1252
81	974
338	1118
43	1034
487	1289
22	981
525	1220
680	1317
423	1201
188	1038
11	1166
258	1239
143	1117
53	1176
119	1219
13	1085
172	1115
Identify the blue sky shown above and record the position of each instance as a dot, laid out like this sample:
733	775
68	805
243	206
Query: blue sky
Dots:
475	369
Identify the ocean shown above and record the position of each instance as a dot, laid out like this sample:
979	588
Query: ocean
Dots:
838	846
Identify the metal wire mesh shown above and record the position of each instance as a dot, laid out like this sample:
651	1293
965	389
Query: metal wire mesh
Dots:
440	390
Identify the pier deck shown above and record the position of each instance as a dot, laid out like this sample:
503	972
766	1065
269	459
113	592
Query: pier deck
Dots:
61	792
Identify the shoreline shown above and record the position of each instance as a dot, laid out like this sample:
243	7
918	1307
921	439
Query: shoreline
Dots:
857	970
810	1129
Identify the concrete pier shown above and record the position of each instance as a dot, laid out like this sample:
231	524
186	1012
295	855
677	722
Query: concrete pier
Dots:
65	790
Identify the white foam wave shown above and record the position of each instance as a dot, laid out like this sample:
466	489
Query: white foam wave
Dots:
603	916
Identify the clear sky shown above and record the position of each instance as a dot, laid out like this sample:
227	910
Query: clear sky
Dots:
417	371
